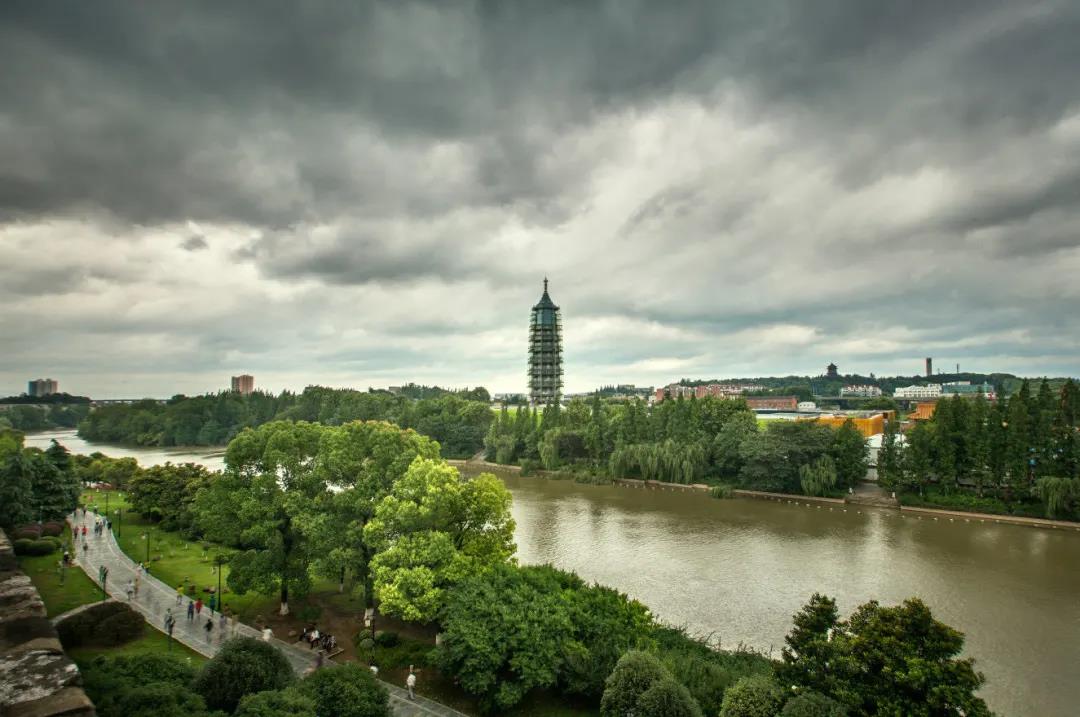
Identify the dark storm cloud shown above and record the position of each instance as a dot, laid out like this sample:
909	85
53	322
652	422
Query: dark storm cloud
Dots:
839	169
194	243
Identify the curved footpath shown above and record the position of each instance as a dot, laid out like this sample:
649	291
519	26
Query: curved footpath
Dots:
155	597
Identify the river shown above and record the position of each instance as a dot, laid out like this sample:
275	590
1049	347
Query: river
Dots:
738	569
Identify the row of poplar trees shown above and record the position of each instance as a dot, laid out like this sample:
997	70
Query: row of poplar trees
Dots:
1025	446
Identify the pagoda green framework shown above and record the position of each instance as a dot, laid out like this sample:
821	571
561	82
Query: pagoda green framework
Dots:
545	351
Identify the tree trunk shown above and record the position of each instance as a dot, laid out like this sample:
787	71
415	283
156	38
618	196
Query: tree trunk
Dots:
284	597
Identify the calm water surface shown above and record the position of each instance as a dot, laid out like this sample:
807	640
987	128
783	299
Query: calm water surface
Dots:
738	569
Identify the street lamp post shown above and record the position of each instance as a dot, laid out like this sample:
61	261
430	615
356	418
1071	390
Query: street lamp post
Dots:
119	521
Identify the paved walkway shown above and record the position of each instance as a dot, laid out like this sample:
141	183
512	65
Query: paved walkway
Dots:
155	597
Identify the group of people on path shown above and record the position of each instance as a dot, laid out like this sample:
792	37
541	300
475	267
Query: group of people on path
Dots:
316	640
227	624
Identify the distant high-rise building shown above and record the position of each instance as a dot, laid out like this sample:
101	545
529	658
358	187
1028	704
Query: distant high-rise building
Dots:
243	384
42	387
545	351
831	372
929	367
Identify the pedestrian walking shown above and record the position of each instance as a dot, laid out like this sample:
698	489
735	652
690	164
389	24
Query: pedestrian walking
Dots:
223	627
374	668
198	607
213	603
130	590
410	683
179	595
267	634
190	611
104	575
208	628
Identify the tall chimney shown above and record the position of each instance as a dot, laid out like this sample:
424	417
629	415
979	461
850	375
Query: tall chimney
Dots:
929	367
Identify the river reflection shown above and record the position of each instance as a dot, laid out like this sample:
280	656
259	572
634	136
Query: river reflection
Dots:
738	569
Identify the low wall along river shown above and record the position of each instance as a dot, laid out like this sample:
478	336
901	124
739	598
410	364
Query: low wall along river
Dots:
738	569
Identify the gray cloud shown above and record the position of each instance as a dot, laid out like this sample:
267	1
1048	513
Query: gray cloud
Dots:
378	187
194	243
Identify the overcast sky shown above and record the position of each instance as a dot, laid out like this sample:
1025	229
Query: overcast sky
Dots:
369	194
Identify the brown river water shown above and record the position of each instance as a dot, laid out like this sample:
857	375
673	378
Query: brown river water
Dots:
738	569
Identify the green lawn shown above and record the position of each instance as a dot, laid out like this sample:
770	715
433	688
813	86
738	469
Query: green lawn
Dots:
59	597
151	641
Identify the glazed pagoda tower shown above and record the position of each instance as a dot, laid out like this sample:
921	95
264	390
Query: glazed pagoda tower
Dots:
545	351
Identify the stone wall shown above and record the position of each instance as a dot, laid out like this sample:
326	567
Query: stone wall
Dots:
36	678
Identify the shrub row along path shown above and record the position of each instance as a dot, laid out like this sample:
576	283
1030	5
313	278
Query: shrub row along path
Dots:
155	597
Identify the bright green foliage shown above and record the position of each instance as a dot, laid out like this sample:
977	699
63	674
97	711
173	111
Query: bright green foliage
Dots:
252	506
433	530
639	685
812	704
360	461
819	477
167	494
849	454
667	698
514	629
241	667
276	703
96	467
772	458
889	466
808	652
882	660
1060	495
348	690
705	670
669	461
755	696
635	673
146	685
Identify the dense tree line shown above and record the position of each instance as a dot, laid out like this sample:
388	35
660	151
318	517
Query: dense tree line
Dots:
35	485
457	420
681	441
1020	448
375	503
26	417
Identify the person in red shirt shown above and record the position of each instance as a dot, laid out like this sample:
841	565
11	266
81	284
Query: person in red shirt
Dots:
198	607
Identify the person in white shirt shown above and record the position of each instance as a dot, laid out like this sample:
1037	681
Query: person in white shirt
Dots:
410	683
374	668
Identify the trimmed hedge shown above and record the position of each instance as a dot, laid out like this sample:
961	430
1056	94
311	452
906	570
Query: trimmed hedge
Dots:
25	546
106	624
52	527
32	532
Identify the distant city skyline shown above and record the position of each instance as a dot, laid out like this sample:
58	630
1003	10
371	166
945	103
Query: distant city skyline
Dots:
729	190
